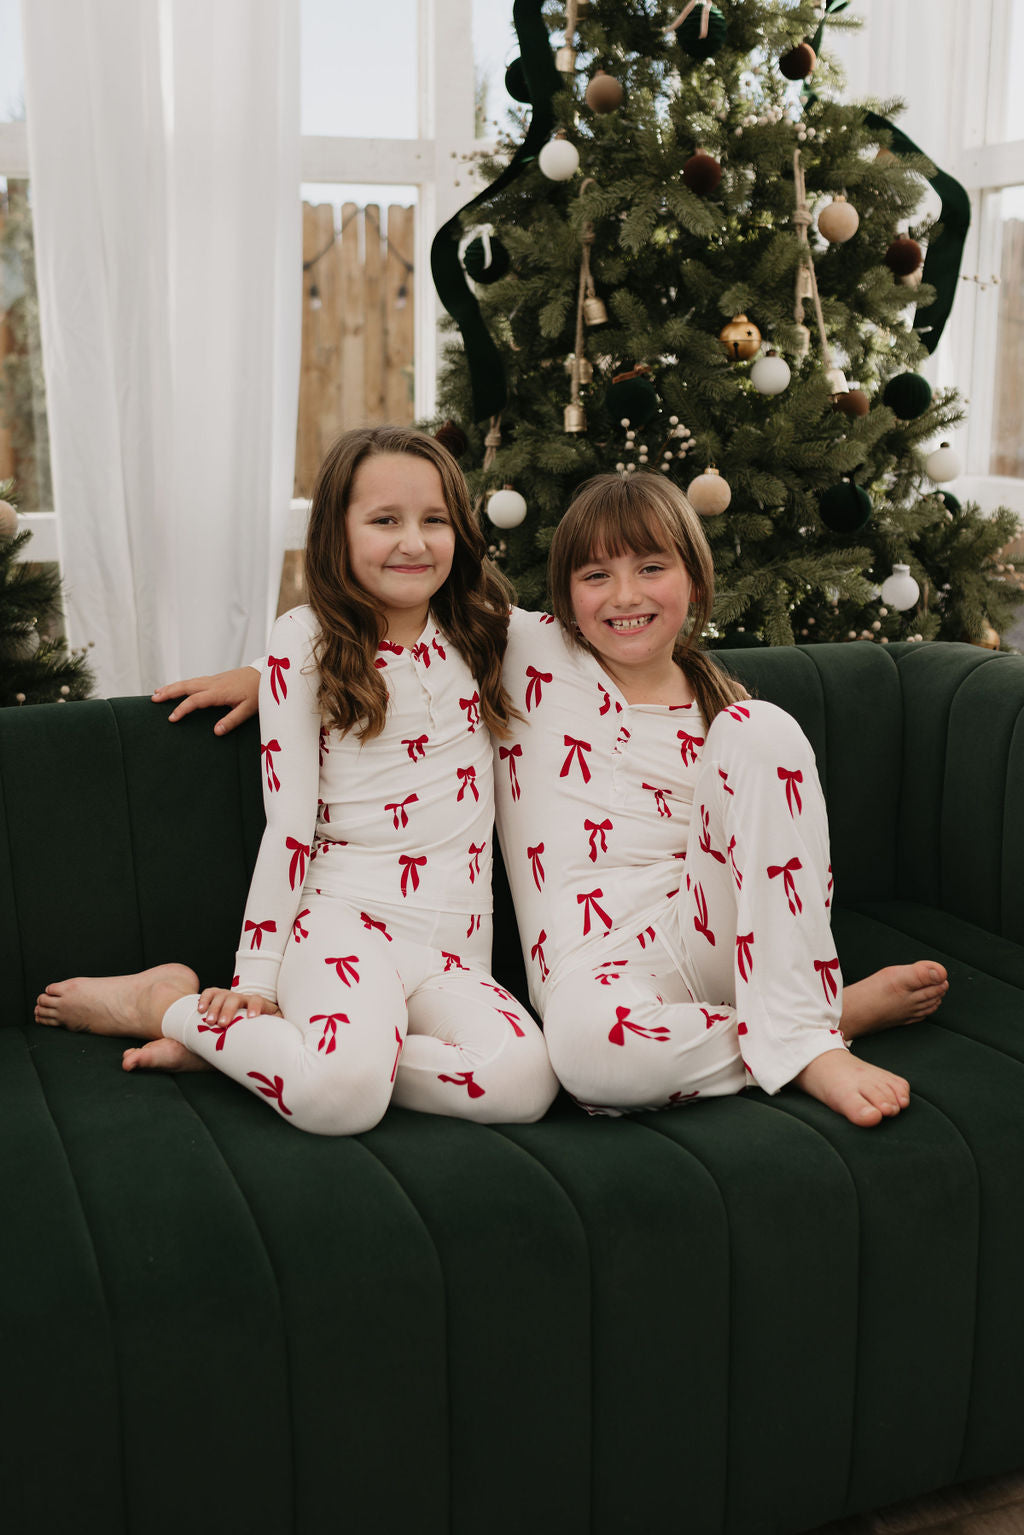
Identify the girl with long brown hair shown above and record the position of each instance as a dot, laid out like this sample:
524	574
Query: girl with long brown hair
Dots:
363	968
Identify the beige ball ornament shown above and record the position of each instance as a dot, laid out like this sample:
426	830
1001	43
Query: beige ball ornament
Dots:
770	374
709	494
8	520
943	465
559	160
506	508
838	221
741	338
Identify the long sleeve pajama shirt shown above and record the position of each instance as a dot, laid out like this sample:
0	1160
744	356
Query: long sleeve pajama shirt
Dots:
672	883
369	914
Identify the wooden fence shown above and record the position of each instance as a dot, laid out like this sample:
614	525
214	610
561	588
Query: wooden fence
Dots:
357	326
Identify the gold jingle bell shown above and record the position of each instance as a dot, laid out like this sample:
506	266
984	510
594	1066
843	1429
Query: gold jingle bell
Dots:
594	311
575	417
740	338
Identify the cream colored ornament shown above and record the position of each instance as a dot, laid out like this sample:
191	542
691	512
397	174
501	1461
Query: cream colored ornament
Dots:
506	508
575	419
594	310
8	520
559	160
838	221
943	465
565	60
900	590
709	494
770	374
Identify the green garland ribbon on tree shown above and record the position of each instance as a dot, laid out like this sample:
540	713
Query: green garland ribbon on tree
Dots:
946	252
486	371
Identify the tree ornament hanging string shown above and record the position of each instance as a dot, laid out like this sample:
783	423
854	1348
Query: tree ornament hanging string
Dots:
486	373
692	6
806	281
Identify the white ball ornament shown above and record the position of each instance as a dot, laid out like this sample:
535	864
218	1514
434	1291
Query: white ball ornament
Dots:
770	374
559	160
709	494
838	221
506	508
8	520
943	465
900	590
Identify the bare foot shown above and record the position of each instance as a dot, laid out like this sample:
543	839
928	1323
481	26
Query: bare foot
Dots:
129	1005
863	1094
897	994
163	1055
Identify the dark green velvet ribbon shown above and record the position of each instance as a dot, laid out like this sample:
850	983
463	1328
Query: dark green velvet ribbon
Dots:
832	9
486	372
946	250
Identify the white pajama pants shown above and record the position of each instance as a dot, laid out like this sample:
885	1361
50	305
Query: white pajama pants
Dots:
372	1018
741	985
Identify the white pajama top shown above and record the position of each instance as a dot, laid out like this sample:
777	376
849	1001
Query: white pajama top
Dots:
594	797
402	820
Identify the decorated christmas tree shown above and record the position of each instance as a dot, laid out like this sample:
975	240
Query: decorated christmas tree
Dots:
36	666
695	256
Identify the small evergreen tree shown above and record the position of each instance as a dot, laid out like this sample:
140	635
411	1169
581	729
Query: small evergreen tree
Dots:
824	501
35	666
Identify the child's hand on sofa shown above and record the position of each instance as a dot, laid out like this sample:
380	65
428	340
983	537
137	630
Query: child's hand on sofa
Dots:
218	1004
238	689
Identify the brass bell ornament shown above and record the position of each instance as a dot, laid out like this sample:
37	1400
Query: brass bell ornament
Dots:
741	338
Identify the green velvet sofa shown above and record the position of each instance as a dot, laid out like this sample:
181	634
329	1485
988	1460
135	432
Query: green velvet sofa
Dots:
743	1316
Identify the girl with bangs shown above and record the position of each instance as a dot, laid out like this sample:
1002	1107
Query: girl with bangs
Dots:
363	968
665	837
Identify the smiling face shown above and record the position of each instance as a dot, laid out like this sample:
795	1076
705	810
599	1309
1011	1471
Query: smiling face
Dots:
630	608
400	538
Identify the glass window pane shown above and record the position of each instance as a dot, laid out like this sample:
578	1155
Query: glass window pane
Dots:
12	70
495	45
24	441
360	75
1008	396
1014	63
358	247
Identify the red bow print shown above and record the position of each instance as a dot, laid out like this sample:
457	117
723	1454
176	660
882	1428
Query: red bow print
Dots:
509	754
611	971
464	1079
725	782
472	708
828	889
682	1097
278	666
576	749
700	921
468	777
606	699
704	842
533	687
514	1021
710	1019
688	745
474	926
537	953
257	929
421	653
398	811
597	830
270	1089
451	960
787	870
436	643
297	867
345	964
506	996
415	747
328	1041
273	782
324	810
824	968
791	778
391	648
398	1042
737	876
588	900
220	1029
648	934
660	799
411	866
537	868
617	1035
298	931
474	860
738	713
324	749
744	958
371	922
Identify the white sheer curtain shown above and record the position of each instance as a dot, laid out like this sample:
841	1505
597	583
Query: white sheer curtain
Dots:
164	163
